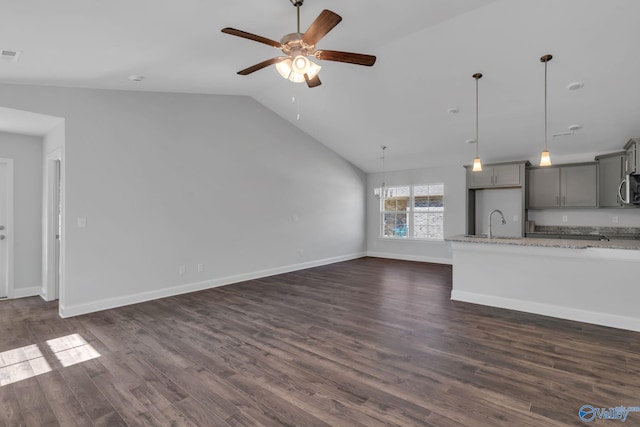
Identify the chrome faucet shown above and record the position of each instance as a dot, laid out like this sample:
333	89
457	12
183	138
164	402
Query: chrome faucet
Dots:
504	221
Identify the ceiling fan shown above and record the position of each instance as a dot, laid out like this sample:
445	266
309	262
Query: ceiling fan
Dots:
298	47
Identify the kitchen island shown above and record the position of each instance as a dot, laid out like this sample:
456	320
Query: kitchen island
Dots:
584	280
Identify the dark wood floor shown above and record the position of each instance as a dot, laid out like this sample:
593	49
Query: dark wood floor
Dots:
368	342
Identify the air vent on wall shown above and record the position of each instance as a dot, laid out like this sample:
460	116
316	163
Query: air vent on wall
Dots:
10	55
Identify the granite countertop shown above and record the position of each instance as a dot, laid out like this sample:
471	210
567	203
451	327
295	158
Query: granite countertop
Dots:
585	232
566	242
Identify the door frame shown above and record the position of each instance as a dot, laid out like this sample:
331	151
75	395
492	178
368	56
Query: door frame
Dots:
53	260
9	226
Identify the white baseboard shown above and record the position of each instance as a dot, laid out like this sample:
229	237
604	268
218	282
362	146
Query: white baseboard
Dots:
25	292
568	313
403	257
108	303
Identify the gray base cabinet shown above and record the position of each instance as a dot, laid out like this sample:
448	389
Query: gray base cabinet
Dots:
567	186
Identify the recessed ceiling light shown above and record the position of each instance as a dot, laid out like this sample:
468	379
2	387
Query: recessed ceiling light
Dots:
453	110
575	85
10	55
136	78
471	141
575	127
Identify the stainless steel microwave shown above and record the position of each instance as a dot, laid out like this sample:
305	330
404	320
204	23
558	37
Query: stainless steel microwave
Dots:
629	190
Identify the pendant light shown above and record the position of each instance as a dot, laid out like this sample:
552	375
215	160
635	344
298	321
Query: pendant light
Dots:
381	192
477	164
545	158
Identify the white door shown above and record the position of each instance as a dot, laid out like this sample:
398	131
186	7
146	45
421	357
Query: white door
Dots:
6	211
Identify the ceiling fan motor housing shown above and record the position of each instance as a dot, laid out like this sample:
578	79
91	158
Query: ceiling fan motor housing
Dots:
292	43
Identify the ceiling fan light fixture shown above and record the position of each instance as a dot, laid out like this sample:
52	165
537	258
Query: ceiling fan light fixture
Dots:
300	64
287	70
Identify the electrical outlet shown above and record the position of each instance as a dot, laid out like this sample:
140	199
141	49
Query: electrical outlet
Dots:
182	270
82	222
615	219
565	218
515	218
200	268
301	251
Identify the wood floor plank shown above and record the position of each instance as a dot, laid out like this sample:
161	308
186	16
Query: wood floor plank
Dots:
66	407
368	342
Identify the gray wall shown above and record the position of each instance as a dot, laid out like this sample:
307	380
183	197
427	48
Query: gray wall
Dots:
26	152
509	201
453	178
165	180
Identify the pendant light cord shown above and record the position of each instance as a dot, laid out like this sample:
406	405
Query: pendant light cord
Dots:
545	105
477	117
384	147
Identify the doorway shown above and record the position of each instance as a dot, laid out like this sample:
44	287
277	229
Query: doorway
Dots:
53	226
6	227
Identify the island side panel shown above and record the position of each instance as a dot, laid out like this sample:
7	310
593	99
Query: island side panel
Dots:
592	285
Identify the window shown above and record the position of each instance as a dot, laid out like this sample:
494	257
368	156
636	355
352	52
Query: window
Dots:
414	212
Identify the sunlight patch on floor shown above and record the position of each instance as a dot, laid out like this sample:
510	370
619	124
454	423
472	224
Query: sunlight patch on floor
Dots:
21	363
72	349
27	362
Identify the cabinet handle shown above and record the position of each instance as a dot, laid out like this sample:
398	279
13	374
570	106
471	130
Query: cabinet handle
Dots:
558	200
564	200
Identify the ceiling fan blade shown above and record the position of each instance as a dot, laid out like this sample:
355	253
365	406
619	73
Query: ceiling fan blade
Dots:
261	65
351	58
312	82
321	26
245	35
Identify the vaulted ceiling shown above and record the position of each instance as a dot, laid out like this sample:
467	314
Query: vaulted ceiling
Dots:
427	52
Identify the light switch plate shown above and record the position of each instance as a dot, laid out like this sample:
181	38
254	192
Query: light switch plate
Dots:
82	222
565	218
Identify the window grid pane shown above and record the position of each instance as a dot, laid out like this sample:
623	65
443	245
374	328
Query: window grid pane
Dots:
416	212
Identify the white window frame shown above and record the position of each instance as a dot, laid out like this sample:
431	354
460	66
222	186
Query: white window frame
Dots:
410	212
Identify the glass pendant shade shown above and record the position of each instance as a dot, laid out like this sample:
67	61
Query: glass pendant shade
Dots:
477	165
545	158
289	69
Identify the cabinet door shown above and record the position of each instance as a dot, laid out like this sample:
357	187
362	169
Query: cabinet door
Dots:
544	188
611	173
483	178
579	186
630	160
506	175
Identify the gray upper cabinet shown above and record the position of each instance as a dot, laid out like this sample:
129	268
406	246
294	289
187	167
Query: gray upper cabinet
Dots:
504	175
565	186
611	174
579	186
632	156
543	188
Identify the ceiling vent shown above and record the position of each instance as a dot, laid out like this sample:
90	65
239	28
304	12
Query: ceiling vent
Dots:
10	55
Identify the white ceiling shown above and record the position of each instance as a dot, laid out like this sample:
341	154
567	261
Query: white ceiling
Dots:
427	52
